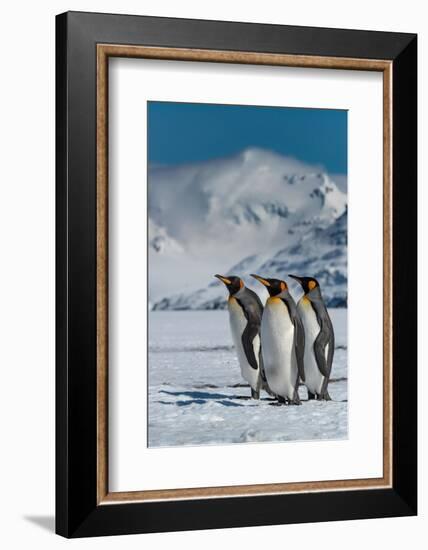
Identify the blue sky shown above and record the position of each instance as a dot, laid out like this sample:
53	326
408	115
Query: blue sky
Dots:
190	132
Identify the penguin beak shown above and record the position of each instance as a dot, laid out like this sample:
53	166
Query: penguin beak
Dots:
296	278
223	279
261	280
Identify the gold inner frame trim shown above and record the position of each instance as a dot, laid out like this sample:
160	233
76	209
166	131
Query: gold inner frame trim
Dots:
104	51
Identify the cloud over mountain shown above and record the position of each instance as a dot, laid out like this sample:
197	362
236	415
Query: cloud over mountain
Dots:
255	212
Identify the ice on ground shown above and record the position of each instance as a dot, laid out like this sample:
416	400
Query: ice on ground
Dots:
198	397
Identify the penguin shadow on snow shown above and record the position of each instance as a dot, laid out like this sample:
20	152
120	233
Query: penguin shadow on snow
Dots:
200	398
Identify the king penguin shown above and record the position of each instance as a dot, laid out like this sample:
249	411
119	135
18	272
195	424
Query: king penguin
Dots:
245	315
283	342
319	347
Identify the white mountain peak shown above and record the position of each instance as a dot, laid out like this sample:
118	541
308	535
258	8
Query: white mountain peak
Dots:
216	214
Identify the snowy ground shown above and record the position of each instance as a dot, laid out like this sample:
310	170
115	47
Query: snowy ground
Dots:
197	395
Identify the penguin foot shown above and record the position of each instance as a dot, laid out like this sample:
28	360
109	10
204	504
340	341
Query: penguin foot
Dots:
324	397
255	394
310	395
295	401
287	402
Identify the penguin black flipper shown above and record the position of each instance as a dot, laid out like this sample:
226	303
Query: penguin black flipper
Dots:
262	369
299	335
299	332
253	311
250	332
324	338
319	350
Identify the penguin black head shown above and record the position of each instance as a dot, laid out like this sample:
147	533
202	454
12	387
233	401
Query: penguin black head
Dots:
274	286
307	283
233	283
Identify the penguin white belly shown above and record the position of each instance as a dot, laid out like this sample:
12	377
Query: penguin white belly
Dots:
279	356
314	378
238	322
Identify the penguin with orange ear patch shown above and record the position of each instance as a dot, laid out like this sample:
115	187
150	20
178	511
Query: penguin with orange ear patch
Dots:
245	315
319	347
283	342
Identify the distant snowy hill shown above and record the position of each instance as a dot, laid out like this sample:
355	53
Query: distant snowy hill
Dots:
256	212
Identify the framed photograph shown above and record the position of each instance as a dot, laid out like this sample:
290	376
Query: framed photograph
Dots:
236	274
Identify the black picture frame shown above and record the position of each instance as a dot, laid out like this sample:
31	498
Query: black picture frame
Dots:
77	511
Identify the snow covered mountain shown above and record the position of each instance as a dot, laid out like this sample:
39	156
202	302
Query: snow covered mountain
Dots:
256	212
